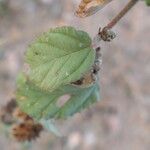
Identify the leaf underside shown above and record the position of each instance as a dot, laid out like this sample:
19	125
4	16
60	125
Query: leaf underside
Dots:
59	57
43	105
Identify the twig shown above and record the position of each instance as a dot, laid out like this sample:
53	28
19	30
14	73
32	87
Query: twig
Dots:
129	5
106	34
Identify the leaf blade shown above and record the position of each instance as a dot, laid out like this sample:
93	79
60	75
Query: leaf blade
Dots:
65	57
43	105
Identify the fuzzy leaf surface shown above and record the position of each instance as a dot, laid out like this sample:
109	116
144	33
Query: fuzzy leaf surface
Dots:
44	105
59	57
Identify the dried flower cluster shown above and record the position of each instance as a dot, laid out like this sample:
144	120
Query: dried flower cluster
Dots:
24	128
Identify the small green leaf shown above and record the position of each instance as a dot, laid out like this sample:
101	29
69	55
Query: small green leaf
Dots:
59	57
147	2
44	105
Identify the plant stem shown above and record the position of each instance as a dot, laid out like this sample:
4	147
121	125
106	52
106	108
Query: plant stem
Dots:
129	5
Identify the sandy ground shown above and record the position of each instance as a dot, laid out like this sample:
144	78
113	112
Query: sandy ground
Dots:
121	121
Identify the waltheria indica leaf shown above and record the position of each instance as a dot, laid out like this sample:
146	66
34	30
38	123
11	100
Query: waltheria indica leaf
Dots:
59	57
44	105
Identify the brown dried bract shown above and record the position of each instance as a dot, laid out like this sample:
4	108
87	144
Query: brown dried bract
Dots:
18	114
90	7
24	127
26	131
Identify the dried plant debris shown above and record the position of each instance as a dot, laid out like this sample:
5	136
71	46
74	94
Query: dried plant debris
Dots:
91	77
26	131
87	80
90	7
106	34
18	114
24	127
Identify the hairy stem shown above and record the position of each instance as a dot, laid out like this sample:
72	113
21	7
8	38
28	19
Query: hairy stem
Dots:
129	5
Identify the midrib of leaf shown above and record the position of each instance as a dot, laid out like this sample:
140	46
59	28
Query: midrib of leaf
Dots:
50	102
73	71
56	59
42	80
47	105
57	70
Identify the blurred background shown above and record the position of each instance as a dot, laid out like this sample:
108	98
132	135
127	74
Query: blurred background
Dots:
121	120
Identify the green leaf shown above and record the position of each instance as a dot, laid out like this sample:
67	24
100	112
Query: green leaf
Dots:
59	57
50	126
44	105
147	2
